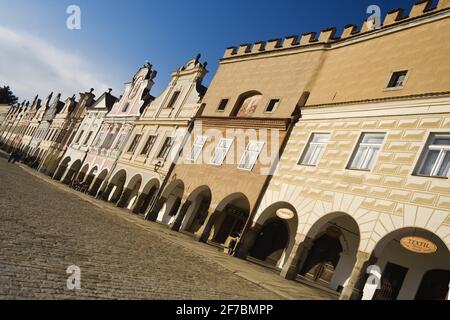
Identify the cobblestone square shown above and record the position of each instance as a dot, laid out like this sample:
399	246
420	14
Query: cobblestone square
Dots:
44	229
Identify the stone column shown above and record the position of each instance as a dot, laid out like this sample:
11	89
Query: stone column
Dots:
124	198
138	203
297	257
180	216
208	224
355	284
106	193
153	213
247	241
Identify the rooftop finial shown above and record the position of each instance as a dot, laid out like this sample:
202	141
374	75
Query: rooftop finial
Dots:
109	90
92	90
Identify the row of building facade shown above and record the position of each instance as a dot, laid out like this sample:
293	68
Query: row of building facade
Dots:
327	157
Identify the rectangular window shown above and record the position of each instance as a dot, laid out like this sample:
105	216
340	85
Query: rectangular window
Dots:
79	136
149	144
250	155
120	141
436	158
223	104
197	148
397	79
221	151
367	151
164	152
174	99
88	138
273	105
315	148
135	143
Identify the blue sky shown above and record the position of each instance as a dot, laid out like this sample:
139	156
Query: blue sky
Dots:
38	54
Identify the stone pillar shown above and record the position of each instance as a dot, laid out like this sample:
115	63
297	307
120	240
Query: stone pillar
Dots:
180	216
297	257
123	199
247	241
138	203
106	193
353	290
208	224
152	215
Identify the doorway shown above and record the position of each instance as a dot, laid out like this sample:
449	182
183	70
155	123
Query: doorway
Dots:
391	282
322	259
434	285
271	242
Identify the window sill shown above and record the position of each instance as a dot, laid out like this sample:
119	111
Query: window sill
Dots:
431	177
363	170
307	165
393	88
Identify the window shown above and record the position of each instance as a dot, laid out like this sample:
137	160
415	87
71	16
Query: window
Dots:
367	150
197	148
397	79
149	144
125	108
174	99
273	105
223	104
221	151
164	152
79	136
88	137
436	158
315	149
250	155
135	143
120	141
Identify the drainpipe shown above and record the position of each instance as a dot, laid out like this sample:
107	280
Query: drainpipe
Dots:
292	122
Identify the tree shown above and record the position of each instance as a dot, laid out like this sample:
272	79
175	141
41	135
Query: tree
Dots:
7	96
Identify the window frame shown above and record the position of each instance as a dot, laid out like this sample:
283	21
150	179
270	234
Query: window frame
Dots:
163	146
231	140
359	144
201	146
308	146
443	150
143	152
134	143
260	146
77	141
220	103
390	79
126	107
173	99
275	107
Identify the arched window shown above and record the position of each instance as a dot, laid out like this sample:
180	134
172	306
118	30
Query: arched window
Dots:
246	104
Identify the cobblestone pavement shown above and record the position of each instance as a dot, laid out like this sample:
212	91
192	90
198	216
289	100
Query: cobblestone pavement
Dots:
46	227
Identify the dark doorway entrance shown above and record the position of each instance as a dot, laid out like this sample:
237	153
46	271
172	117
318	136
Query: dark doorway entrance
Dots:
322	259
434	285
391	282
233	223
271	242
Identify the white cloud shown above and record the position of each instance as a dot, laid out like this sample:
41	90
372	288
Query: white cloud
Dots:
30	66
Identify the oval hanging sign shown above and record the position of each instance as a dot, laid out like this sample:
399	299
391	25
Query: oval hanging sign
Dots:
418	245
285	214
